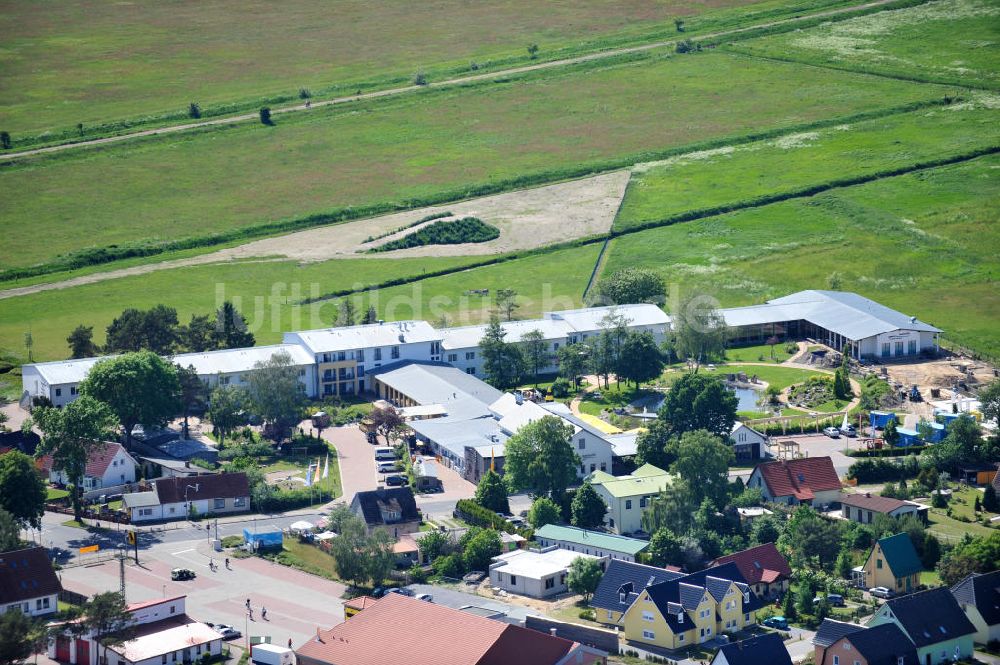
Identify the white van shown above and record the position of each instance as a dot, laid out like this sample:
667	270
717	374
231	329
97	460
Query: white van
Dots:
385	454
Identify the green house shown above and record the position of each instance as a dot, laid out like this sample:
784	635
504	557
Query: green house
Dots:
934	622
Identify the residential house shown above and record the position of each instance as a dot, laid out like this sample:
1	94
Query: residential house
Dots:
808	480
748	443
764	569
391	508
536	573
893	563
627	497
841	643
692	609
766	649
108	465
597	543
979	597
28	582
621	584
160	632
863	508
397	628
177	498
934	622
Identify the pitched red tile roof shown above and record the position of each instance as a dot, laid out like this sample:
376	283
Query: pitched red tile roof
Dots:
360	603
98	462
874	503
212	486
401	629
799	477
26	574
763	563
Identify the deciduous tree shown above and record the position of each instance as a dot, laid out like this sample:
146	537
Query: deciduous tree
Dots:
193	392
81	342
141	389
479	551
544	511
698	401
277	394
503	361
16	644
534	349
573	362
639	359
631	285
70	435
699	331
703	464
652	445
10	532
386	421
540	458
584	576
507	302
491	493
22	492
227	411
588	508
665	548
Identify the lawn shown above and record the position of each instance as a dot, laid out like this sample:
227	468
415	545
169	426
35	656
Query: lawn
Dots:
618	395
307	558
947	41
778	376
951	530
326	489
53	494
261	290
731	175
84	61
962	503
762	353
429	145
922	243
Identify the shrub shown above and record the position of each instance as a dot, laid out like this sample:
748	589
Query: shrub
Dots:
420	78
417	574
194	110
561	387
304	93
265	116
232	541
588	615
882	470
448	566
467	229
5	140
473	513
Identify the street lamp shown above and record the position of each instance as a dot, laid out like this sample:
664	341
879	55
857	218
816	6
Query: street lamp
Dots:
187	506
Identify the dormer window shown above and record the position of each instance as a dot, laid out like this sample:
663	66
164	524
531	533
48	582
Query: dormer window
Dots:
622	596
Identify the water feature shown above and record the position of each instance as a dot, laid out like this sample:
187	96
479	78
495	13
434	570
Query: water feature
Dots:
747	397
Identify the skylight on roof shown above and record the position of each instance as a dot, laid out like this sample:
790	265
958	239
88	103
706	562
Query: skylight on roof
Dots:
802	478
756	564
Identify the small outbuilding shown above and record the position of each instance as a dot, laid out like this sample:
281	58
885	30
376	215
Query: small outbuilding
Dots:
262	539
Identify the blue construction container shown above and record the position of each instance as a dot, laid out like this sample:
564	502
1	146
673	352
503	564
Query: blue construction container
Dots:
908	437
879	419
262	539
946	417
937	432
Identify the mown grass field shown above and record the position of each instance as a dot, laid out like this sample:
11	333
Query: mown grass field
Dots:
741	173
417	146
923	243
84	61
945	41
267	294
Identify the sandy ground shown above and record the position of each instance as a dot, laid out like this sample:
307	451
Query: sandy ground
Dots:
526	218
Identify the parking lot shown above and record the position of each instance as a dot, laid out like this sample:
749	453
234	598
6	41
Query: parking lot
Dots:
296	603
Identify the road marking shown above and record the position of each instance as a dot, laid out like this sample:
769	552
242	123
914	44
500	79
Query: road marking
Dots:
182	552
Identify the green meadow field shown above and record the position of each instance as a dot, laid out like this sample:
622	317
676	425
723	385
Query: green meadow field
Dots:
418	146
944	41
85	61
924	243
740	174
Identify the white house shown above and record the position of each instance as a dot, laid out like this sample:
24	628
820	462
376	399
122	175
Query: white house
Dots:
748	443
627	497
536	573
28	582
162	632
177	497
109	465
232	367
58	380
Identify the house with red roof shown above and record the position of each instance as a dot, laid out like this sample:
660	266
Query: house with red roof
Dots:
764	568
398	629
109	465
811	481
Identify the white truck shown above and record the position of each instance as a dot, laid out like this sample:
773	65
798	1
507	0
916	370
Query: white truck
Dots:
270	654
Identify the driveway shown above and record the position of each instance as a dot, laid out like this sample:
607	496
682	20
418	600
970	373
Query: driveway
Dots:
357	461
443	503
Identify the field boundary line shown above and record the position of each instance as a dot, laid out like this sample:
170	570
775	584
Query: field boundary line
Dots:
832	14
599	264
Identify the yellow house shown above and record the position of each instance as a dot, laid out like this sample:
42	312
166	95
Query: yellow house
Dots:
893	564
692	609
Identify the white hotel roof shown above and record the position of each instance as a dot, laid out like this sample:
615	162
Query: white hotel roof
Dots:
847	314
59	372
535	565
366	336
229	361
470	336
589	318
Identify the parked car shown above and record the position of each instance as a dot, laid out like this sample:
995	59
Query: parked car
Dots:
831	599
778	622
880	592
475	577
385	467
849	431
426	597
396	481
832	432
227	632
381	591
401	591
180	574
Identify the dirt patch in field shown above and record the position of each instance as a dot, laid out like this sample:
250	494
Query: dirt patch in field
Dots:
527	219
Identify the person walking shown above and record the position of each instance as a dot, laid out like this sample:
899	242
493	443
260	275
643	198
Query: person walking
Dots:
263	613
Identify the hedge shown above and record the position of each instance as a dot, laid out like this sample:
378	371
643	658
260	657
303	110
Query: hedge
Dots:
882	470
473	513
888	452
467	229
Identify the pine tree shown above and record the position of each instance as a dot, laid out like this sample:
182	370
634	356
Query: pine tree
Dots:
990	503
788	606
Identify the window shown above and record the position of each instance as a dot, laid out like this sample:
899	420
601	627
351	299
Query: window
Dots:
900	660
360	355
746	618
173	609
836	660
435	348
680	637
164	658
604	466
378	354
452	357
555	346
611	614
470	370
628	504
220	503
878	563
642	501
885	349
395	353
649	635
899	348
470	355
911	347
581	444
58	392
550	583
647	616
513	579
239	502
72	390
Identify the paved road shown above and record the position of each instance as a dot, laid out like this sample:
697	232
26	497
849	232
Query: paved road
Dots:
254	117
357	460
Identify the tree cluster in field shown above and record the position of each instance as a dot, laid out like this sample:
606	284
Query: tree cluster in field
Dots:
158	330
473	551
629	286
459	231
428	218
360	557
